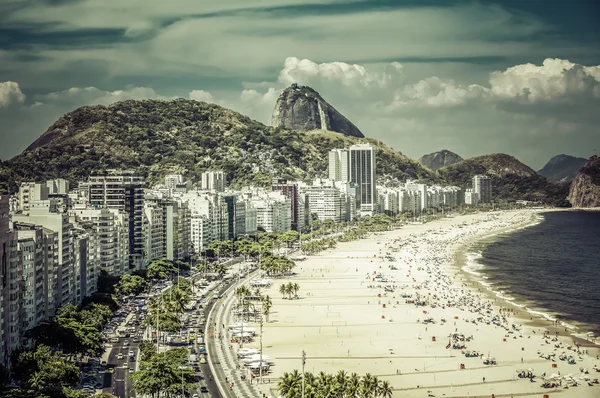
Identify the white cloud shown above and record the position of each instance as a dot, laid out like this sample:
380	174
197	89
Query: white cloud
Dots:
201	95
554	80
10	94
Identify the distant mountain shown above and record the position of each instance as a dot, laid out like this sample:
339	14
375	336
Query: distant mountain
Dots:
186	137
439	159
585	188
511	179
302	108
562	168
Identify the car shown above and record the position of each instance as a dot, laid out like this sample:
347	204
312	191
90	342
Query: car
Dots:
131	359
195	396
103	363
136	339
125	366
131	353
131	370
120	356
110	370
125	343
203	389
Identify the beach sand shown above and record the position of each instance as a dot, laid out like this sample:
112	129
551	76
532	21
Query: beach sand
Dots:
345	320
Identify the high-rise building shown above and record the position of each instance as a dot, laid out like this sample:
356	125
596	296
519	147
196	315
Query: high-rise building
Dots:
362	173
46	213
8	260
482	186
357	165
213	181
338	165
124	191
290	191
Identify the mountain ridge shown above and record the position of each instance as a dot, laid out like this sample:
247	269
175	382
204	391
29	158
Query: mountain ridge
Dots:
562	168
188	137
439	159
511	179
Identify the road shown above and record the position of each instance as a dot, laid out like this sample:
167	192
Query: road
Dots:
120	384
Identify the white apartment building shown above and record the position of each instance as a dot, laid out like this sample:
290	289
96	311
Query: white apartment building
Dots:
112	233
325	202
273	212
58	186
213	181
471	197
172	180
123	190
46	214
154	231
421	189
31	191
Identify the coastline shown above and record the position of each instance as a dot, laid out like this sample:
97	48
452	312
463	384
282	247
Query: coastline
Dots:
534	318
344	321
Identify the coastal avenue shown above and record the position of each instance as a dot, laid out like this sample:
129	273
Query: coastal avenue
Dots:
120	383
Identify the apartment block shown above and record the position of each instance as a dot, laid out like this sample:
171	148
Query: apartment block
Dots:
123	190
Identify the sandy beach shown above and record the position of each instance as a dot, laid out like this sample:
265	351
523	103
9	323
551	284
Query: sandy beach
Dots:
391	304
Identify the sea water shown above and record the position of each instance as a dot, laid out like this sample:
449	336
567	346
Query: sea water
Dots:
551	268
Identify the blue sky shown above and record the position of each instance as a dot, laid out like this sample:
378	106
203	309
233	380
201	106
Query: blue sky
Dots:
475	77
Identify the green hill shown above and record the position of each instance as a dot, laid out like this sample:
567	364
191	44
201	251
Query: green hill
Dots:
511	179
186	137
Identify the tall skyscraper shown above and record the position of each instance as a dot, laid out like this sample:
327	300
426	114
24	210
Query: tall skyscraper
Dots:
357	165
482	186
290	191
213	181
123	190
362	165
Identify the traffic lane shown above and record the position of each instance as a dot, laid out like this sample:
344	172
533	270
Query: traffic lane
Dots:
119	385
111	362
211	384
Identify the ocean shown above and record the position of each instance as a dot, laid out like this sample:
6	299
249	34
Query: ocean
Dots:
551	268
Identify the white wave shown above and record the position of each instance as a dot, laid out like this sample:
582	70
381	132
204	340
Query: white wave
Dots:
540	313
472	266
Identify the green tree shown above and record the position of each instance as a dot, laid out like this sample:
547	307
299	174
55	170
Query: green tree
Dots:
267	304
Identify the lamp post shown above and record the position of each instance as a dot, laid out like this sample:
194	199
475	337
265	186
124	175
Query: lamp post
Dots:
182	381
303	363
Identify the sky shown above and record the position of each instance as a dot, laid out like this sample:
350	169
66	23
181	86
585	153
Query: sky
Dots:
476	77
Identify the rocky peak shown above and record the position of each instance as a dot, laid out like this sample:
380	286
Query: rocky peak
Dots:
585	188
302	108
439	159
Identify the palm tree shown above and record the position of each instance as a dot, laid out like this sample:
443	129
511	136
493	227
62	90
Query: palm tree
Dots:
178	300
385	390
353	386
266	305
290	384
283	290
341	379
367	385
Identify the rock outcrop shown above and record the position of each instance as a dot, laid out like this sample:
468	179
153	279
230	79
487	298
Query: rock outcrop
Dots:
437	160
562	168
301	108
585	188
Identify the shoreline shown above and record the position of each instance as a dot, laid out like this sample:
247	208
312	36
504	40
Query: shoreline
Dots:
535	318
345	321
